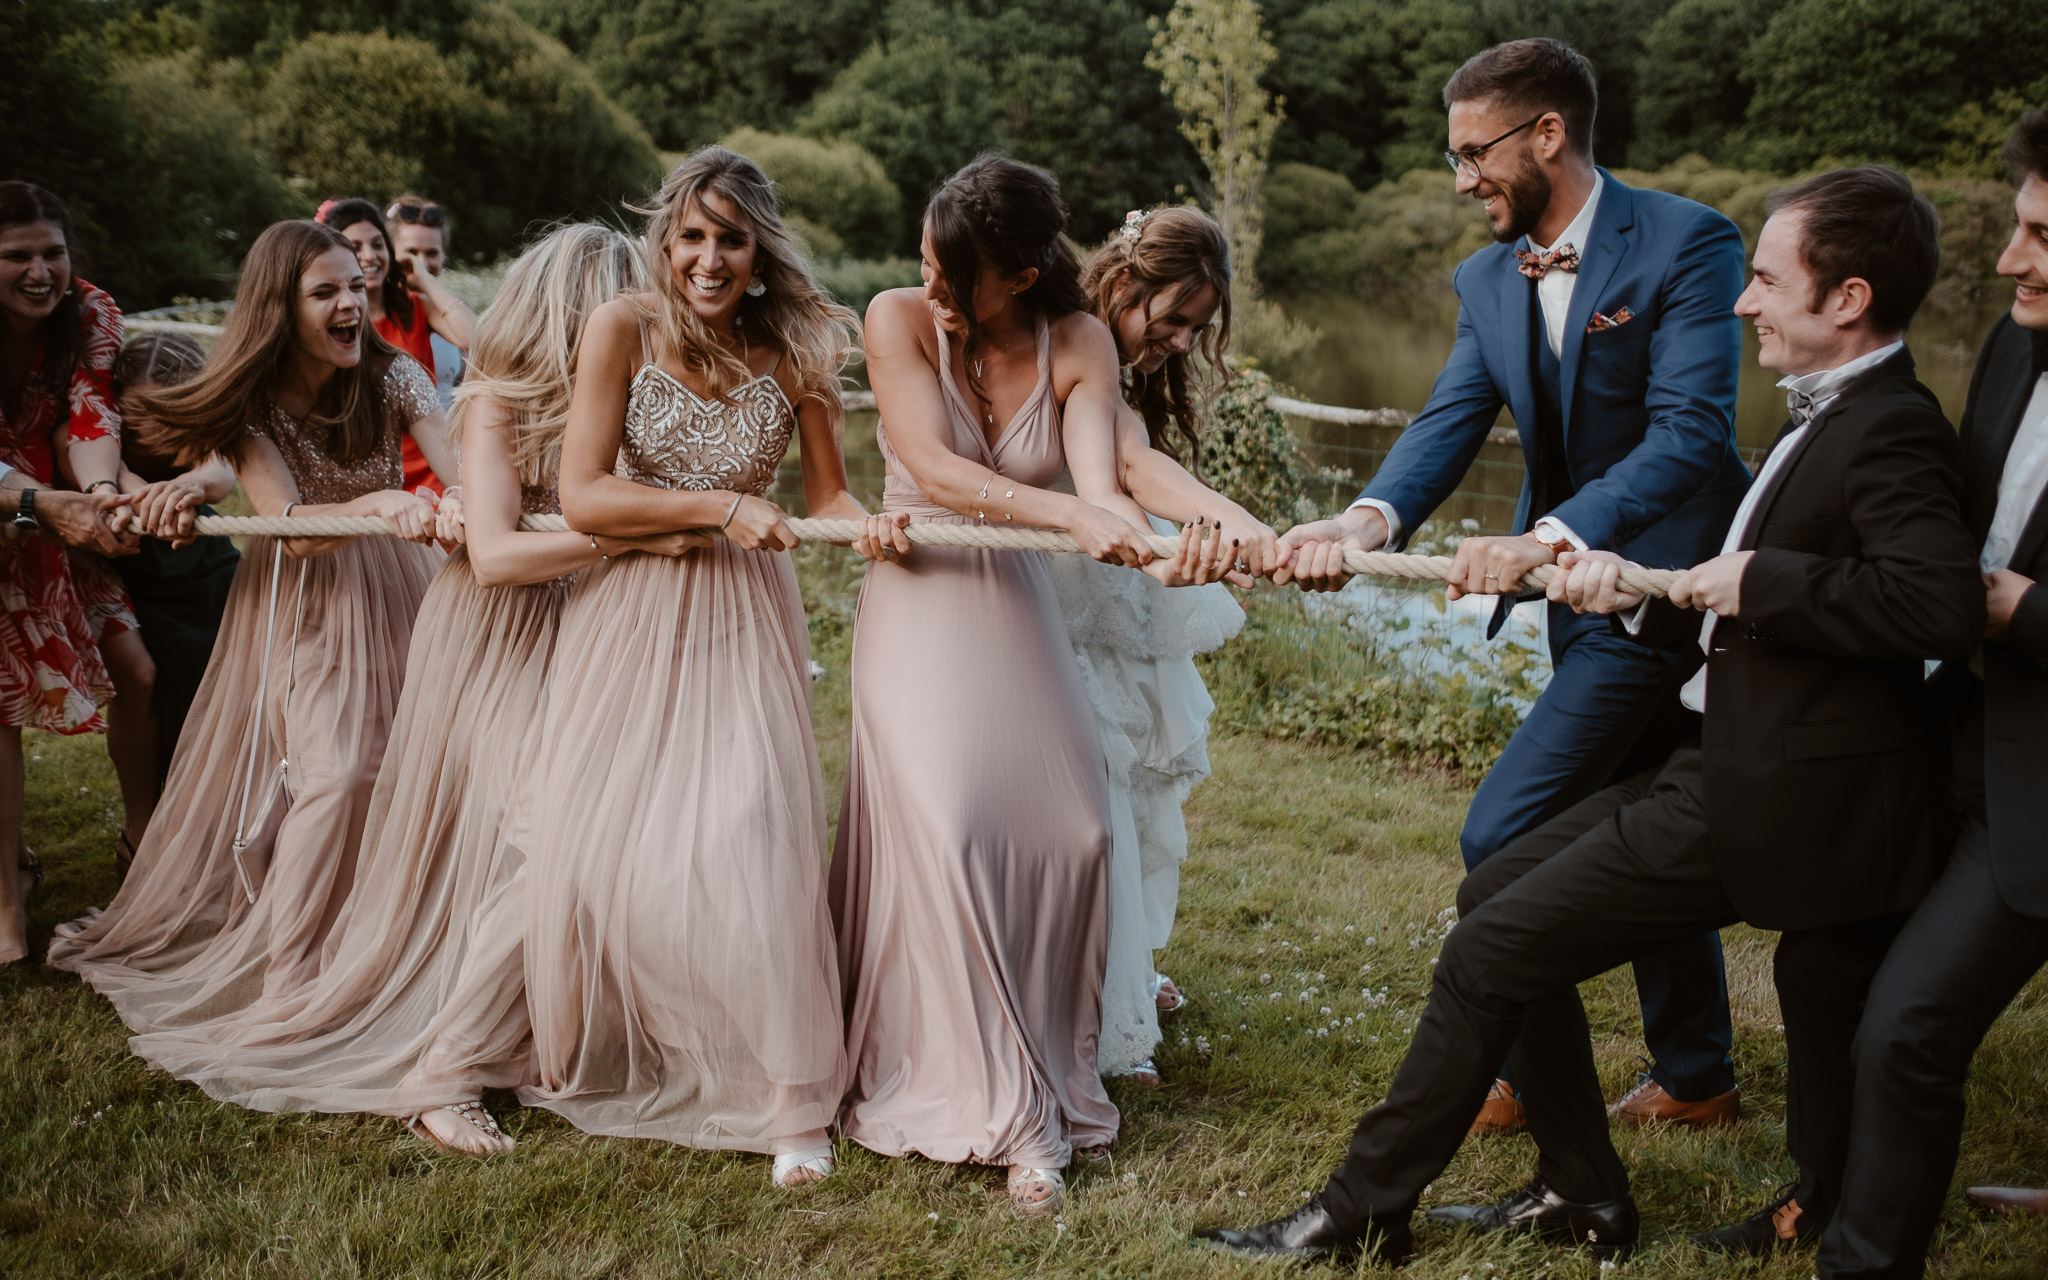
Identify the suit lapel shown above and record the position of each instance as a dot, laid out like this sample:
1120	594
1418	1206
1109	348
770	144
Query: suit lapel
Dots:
1899	364
2032	535
1612	220
1517	300
1997	424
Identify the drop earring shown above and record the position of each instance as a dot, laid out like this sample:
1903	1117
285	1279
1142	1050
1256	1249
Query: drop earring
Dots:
757	287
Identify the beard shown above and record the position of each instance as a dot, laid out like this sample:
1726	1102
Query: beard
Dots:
1527	195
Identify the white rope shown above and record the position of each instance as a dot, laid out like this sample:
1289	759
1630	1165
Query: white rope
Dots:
1378	564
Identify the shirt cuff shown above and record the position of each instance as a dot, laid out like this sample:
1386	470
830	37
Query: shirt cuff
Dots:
1632	621
1393	521
1552	530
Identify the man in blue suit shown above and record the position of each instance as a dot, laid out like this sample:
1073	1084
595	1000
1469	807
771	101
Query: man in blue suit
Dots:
1602	320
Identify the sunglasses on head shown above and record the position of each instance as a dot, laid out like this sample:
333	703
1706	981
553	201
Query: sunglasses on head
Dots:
426	215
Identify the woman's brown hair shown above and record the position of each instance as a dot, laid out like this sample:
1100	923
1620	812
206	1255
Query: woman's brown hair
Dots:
64	328
1178	250
1005	214
238	386
157	358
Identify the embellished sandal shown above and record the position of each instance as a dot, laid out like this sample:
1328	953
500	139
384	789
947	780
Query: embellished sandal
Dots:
1145	1075
1165	995
1095	1155
1037	1193
473	1112
802	1168
124	856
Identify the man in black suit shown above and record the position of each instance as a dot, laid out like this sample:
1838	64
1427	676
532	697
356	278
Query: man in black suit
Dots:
1982	933
1802	806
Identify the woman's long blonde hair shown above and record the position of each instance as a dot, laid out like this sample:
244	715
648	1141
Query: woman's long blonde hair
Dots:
524	352
794	314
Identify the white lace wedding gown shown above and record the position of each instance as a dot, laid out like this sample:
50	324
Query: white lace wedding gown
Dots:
1135	642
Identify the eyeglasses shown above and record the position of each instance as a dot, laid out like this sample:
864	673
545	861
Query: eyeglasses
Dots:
1467	161
431	215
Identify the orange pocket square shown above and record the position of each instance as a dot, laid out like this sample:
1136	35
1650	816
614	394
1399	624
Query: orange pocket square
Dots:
1615	321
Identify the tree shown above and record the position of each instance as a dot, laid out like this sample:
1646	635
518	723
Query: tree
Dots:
1209	55
921	107
1879	79
1694	96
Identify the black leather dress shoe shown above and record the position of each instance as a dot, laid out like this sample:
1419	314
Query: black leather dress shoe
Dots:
1311	1234
1606	1230
1779	1226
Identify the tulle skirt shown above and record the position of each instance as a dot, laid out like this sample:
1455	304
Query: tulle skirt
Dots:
421	997
679	963
1134	642
202	928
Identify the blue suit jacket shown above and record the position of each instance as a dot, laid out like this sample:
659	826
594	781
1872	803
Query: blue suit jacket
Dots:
1649	405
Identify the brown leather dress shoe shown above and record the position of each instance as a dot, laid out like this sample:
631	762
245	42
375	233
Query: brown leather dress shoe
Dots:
1647	1103
2009	1199
1501	1113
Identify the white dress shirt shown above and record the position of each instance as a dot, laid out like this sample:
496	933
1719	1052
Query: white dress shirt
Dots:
1822	387
2021	483
1554	300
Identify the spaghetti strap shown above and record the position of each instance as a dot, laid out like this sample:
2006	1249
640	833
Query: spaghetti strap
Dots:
640	322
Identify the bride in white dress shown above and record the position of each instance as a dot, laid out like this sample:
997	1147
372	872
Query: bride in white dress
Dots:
1162	285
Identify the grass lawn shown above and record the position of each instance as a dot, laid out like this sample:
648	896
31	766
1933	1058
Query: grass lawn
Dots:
1312	871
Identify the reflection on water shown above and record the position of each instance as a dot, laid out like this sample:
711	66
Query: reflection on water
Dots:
1386	351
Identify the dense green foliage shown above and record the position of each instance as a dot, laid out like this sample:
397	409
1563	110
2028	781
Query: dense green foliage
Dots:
178	128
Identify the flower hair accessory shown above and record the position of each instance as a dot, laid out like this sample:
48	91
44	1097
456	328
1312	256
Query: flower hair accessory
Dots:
1134	223
320	214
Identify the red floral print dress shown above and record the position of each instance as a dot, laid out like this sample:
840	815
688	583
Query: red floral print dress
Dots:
51	676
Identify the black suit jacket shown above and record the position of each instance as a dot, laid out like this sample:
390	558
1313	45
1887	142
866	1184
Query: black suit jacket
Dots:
2001	738
1816	754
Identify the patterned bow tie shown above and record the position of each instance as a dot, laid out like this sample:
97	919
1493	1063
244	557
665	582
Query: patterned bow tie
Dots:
1564	258
1801	406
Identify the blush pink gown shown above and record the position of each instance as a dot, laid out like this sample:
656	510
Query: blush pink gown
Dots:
970	879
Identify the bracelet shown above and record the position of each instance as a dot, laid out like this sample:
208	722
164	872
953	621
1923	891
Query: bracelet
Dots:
594	547
288	510
736	500
97	483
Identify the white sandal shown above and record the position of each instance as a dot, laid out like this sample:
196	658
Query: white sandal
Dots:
1166	996
473	1112
1024	1179
817	1162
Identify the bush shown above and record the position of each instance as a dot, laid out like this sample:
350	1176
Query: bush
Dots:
1324	676
1249	455
919	106
856	282
1416	227
833	186
508	132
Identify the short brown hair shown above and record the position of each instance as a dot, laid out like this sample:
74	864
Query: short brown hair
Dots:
2026	148
1867	223
1530	77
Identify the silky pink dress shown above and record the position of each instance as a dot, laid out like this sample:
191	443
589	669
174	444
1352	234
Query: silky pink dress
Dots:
202	928
970	879
421	999
679	961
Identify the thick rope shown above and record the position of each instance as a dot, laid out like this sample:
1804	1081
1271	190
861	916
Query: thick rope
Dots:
1378	564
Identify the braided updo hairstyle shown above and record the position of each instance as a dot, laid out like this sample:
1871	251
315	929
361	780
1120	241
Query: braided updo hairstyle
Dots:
1003	213
1172	249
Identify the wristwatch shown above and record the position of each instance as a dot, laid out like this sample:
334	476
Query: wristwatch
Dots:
25	512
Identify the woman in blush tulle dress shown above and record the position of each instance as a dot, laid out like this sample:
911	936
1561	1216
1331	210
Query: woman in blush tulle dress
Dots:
252	849
679	956
1162	285
970	878
421	1002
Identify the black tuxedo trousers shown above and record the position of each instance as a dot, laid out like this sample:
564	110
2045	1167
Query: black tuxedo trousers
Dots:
1624	872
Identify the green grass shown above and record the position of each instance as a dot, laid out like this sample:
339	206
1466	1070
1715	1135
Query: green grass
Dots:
1305	862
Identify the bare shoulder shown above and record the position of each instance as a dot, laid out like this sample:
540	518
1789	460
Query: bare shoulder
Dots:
894	312
1082	347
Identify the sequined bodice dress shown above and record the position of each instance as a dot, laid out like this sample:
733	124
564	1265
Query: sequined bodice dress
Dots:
679	957
203	928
